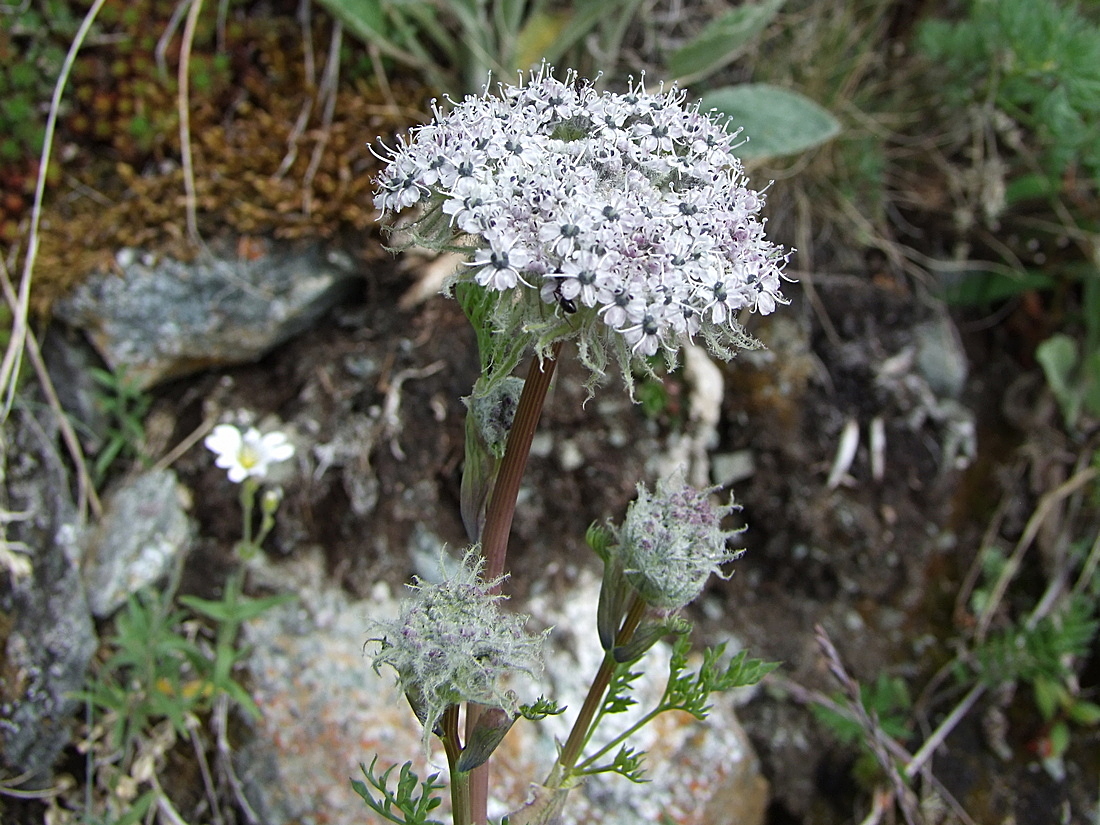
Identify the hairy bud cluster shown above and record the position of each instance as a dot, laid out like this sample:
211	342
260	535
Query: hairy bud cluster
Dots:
453	643
623	220
671	541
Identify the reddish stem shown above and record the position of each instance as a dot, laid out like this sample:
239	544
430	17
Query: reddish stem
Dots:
578	736
498	524
502	502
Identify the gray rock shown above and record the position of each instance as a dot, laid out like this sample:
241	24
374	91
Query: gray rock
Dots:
166	319
940	358
70	359
731	468
144	530
46	630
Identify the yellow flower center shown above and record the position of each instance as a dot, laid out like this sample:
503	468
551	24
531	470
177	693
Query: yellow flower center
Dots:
248	457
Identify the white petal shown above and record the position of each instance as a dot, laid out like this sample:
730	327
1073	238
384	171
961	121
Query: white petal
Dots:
276	447
225	440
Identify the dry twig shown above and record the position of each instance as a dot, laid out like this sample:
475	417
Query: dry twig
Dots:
13	355
220	721
874	736
86	494
329	83
1031	530
310	70
183	103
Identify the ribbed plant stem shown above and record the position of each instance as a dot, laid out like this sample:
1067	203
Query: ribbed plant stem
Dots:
502	502
460	782
460	798
498	525
578	736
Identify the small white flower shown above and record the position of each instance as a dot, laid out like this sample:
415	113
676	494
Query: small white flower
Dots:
562	234
584	275
645	335
500	264
248	454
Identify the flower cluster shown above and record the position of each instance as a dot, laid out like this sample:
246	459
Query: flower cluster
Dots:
453	643
671	541
625	213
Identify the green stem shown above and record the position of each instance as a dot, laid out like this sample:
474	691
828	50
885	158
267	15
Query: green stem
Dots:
248	501
461	800
582	728
460	781
226	633
584	765
498	525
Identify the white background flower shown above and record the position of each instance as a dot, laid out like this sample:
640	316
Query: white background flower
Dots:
248	454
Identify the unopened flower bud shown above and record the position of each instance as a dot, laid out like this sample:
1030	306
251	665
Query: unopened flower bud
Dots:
671	541
270	500
453	644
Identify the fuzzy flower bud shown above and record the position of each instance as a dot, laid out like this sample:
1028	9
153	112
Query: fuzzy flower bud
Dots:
671	541
453	644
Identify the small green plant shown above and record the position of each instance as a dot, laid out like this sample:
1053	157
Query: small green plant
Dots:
228	614
1038	63
125	404
151	673
403	806
1039	654
1028	73
687	691
1039	650
455	45
1072	367
32	48
158	670
1060	708
162	671
887	702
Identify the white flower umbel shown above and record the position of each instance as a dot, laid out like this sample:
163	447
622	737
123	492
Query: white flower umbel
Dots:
620	220
247	454
671	541
453	644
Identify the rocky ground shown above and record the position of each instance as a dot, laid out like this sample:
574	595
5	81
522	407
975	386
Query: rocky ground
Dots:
872	552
